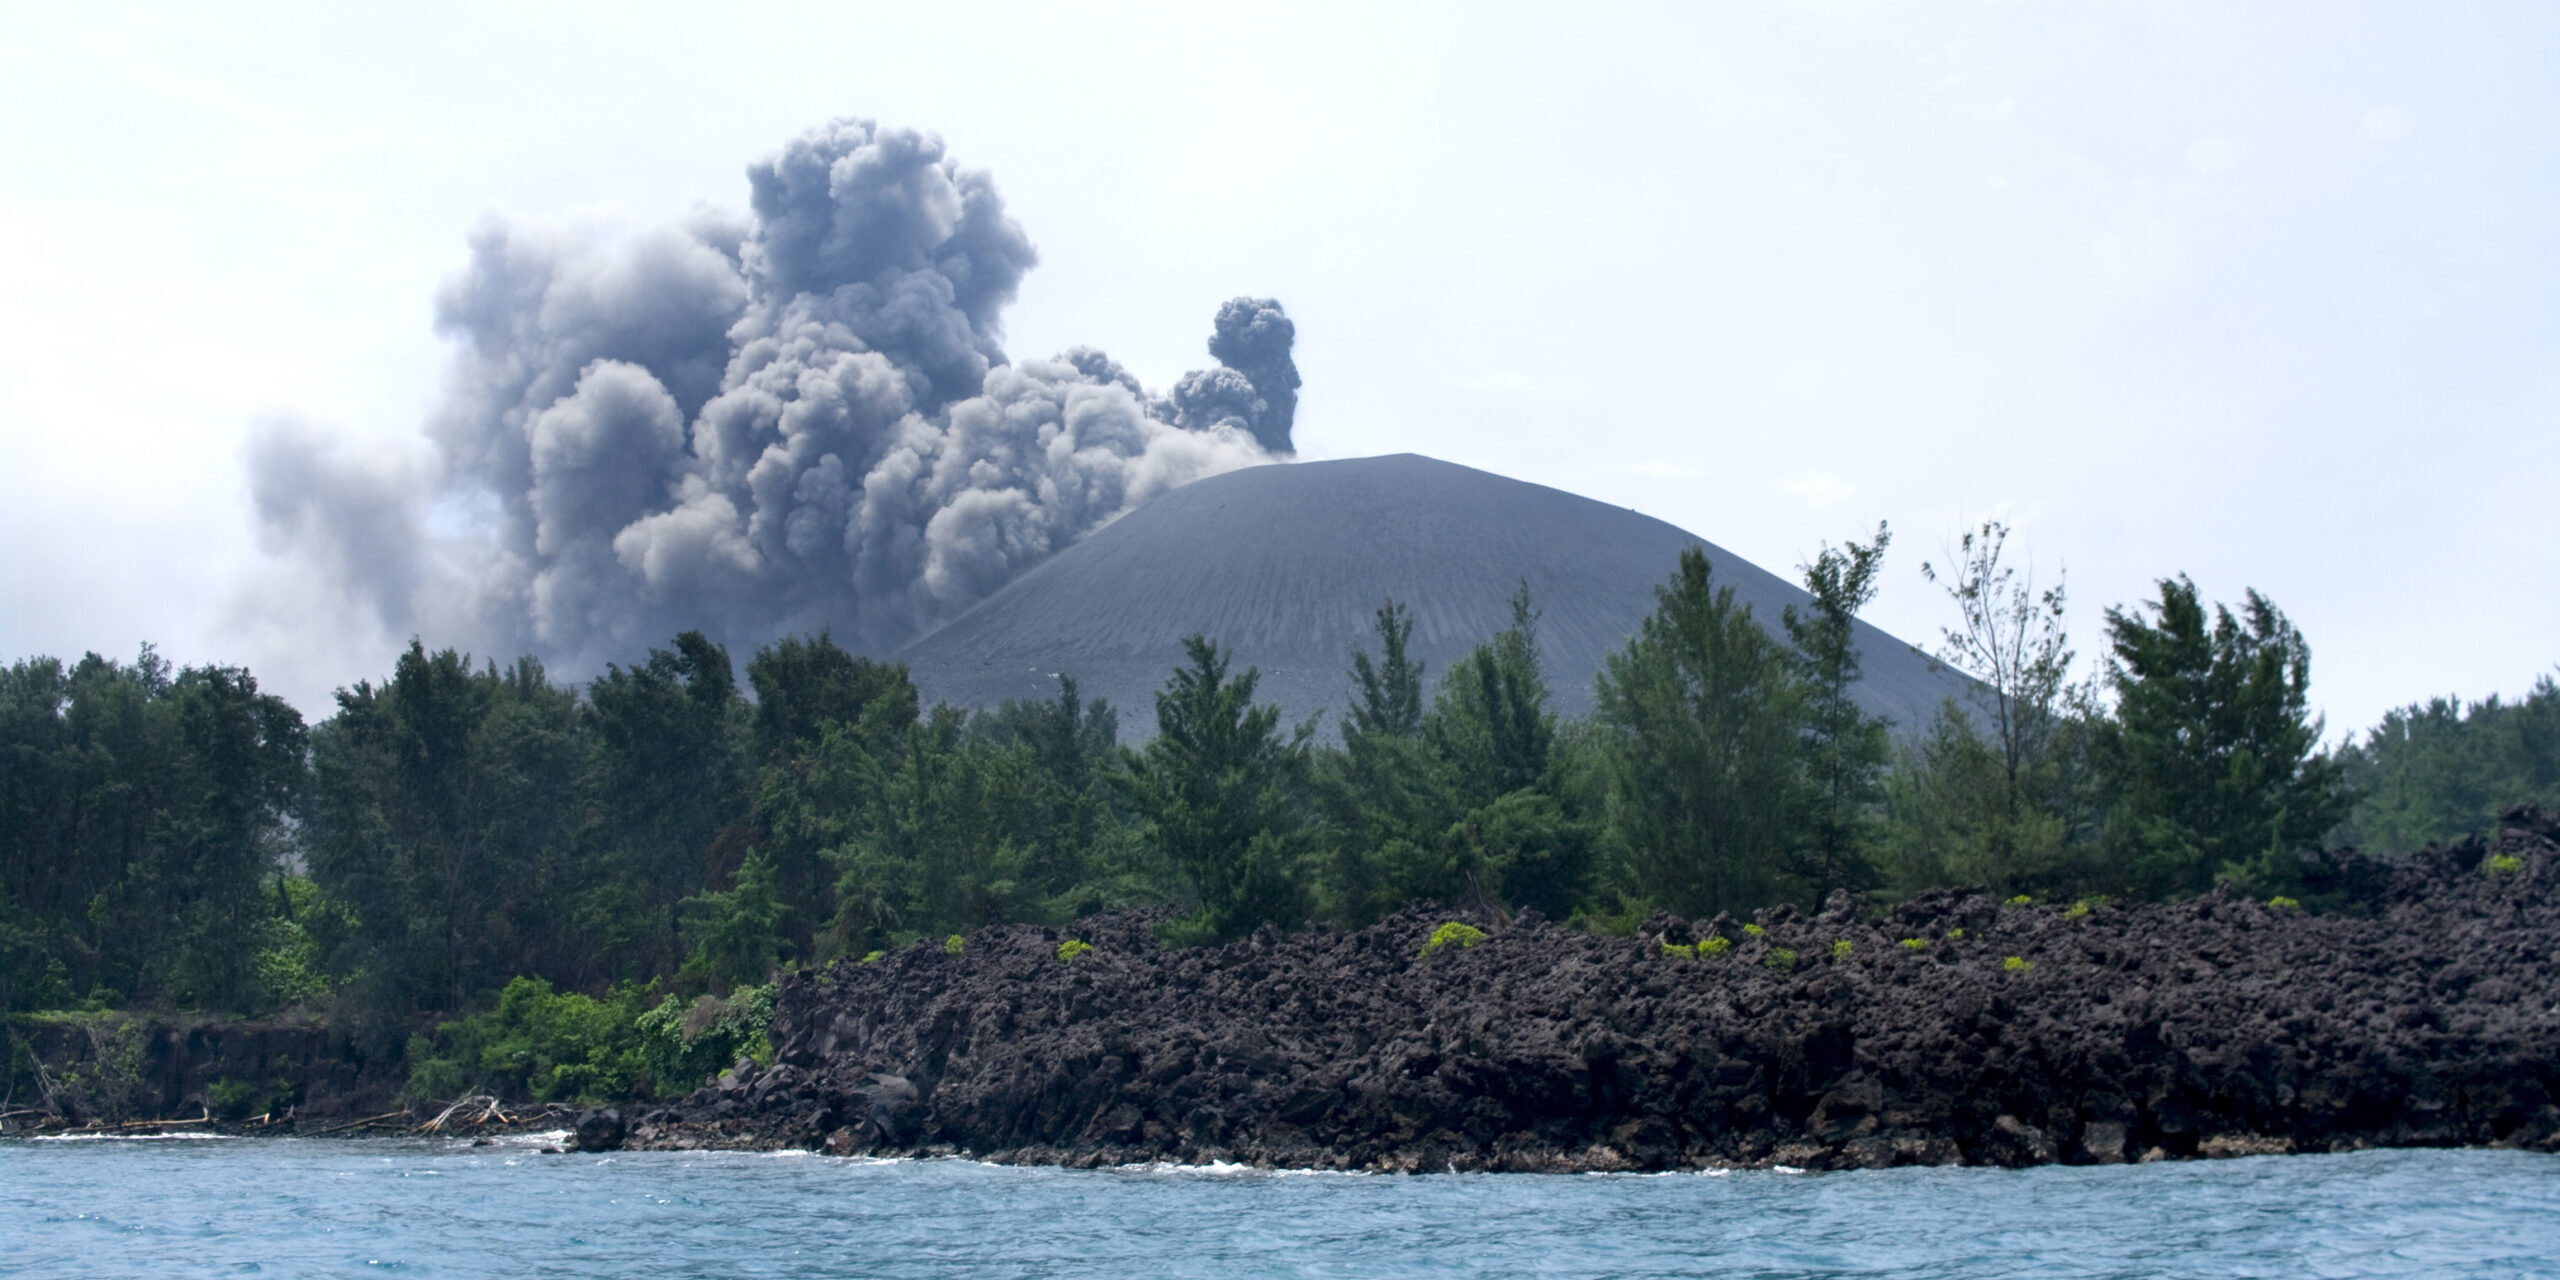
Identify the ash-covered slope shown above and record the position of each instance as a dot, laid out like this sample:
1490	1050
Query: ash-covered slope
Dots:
1286	566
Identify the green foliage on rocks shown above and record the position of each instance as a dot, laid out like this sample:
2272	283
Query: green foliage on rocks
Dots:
684	1043
1454	933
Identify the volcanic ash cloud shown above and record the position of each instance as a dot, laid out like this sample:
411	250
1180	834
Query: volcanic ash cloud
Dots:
751	425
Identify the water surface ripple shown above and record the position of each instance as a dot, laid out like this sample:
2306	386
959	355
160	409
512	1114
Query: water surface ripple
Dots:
322	1207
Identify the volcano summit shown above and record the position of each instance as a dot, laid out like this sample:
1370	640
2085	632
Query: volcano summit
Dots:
1286	566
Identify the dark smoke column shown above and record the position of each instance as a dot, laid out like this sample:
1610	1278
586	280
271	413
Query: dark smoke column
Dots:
1255	387
1253	338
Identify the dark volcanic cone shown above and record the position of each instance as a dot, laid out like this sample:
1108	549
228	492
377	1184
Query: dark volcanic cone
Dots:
1286	565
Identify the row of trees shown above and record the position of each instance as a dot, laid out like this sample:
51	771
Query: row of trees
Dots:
185	839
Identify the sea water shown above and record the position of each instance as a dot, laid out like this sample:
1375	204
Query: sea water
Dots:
322	1207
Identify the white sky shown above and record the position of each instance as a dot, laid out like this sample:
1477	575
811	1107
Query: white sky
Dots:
2265	294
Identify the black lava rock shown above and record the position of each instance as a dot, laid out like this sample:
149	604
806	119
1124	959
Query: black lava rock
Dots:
2417	1008
598	1130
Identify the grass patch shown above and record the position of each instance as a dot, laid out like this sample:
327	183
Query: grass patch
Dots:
1463	935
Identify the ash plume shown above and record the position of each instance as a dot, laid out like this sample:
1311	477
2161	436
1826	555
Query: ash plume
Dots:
797	417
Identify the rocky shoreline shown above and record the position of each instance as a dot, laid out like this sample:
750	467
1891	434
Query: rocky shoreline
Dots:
2422	1009
1956	1030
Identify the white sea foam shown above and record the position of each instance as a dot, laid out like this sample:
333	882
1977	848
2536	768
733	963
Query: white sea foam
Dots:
134	1137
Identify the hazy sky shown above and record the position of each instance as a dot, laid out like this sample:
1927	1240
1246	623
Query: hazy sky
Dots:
2265	294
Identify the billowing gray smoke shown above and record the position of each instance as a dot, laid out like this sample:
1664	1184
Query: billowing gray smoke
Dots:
1256	386
795	419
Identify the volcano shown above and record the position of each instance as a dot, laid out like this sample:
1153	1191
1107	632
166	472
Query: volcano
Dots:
1285	567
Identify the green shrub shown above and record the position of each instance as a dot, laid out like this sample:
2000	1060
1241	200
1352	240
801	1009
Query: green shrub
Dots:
2283	903
1465	935
1955	935
2017	964
954	945
286	964
1915	944
1780	959
2020	901
284	960
1678	949
231	1099
1715	946
536	1044
1071	948
1754	930
2505	863
1840	950
872	958
683	1045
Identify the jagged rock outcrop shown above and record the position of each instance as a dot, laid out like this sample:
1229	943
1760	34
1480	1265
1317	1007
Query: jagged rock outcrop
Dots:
1955	1029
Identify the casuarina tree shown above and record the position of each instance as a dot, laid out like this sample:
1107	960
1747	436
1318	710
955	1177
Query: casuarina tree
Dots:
1217	788
2213	746
1844	746
1700	716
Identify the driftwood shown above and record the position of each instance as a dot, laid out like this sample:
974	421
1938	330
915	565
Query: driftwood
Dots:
206	1118
355	1124
490	1108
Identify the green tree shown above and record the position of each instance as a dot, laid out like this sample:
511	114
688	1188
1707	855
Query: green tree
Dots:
804	685
1953	819
1218	789
2003	800
1700	718
1389	690
736	933
1080	852
1383	791
1490	721
1459	804
2213	745
830	730
1845	747
2440	770
437	819
670	777
1511	833
945	844
143	812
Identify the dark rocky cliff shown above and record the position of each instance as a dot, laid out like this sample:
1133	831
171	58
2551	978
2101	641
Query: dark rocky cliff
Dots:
2422	1012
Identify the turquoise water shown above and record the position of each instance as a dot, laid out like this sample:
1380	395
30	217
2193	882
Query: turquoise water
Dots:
324	1208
